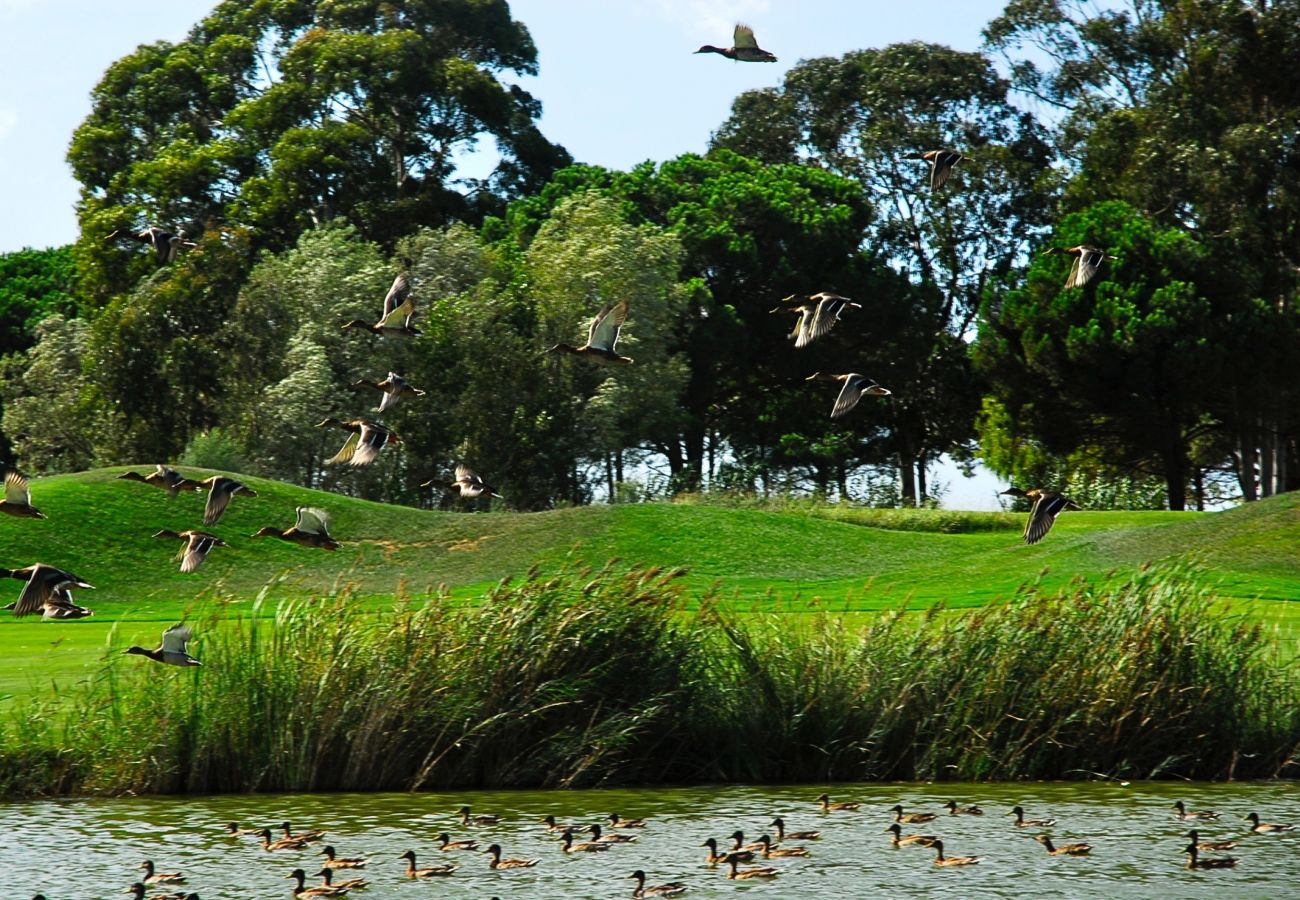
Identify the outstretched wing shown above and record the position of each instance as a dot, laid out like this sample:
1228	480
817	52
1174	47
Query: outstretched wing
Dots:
850	394
16	490
218	500
369	442
397	294
941	167
744	37
399	315
312	520
828	313
175	638
1086	266
196	551
40	587
347	451
803	328
605	328
1041	518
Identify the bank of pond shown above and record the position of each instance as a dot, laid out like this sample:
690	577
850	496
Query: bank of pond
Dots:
581	677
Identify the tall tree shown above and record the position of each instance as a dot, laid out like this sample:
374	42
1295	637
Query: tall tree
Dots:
281	115
869	116
1189	111
1125	366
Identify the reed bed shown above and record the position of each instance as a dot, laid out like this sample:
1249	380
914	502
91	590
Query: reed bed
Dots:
581	678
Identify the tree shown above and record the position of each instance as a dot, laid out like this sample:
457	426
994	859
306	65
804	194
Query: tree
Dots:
276	116
46	413
1189	112
867	116
1125	366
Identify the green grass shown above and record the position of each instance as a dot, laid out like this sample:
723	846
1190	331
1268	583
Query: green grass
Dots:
789	557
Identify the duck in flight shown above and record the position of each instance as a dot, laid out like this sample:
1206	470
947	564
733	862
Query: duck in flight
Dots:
744	48
468	484
172	650
165	243
855	388
1047	506
1087	263
364	444
310	529
817	313
602	337
17	499
399	308
198	544
47	590
941	163
394	388
167	478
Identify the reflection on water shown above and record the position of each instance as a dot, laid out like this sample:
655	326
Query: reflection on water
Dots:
92	848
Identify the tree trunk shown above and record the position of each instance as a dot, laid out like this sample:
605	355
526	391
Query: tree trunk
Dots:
1267	470
609	478
906	474
1176	466
1246	470
922	489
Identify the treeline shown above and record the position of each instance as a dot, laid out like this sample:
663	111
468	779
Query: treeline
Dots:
307	151
580	678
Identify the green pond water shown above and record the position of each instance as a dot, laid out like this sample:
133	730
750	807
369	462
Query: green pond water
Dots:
91	848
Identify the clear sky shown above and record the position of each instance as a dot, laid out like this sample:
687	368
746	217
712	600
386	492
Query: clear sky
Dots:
618	82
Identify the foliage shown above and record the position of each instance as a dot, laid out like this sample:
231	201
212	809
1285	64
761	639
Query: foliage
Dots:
46	415
34	284
215	449
531	687
278	116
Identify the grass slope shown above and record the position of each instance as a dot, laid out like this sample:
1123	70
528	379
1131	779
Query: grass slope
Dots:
775	559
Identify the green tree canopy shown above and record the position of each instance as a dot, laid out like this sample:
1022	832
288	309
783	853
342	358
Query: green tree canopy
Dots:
278	115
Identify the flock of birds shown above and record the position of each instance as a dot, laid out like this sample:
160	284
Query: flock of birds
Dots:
614	831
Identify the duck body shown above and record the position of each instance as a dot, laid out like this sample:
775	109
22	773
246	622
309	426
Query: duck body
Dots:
446	844
854	387
1047	505
414	871
911	818
1064	849
311	529
334	861
571	846
818	314
1022	822
498	863
598	836
828	806
1184	815
301	889
269	845
166	244
941	165
1087	263
394	388
955	810
198	544
152	876
221	490
901	840
615	821
347	884
670	889
365	443
941	860
735	873
744	47
553	824
166	478
467	485
770	852
483	819
715	857
399	309
172	651
1209	845
781	834
47	590
1259	827
307	836
602	337
17	500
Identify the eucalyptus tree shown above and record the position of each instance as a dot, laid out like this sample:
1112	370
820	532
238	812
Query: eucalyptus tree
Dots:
281	115
47	414
871	116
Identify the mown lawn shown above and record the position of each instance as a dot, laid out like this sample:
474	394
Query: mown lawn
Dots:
780	560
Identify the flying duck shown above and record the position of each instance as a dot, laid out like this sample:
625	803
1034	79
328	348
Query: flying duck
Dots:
744	48
602	337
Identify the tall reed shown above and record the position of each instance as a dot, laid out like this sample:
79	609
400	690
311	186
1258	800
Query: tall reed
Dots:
597	677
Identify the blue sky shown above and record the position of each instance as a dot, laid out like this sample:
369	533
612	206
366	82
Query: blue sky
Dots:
618	82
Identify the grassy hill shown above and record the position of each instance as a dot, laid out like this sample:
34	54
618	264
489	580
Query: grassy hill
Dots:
770	558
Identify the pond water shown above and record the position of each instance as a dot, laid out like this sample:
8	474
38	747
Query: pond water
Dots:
91	848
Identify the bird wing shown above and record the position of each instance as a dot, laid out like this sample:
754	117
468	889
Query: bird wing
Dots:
312	520
347	451
803	328
828	313
469	482
40	587
397	294
744	37
1087	265
399	315
16	490
218	500
370	441
196	550
1074	279
850	394
604	331
941	167
1043	516
175	638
